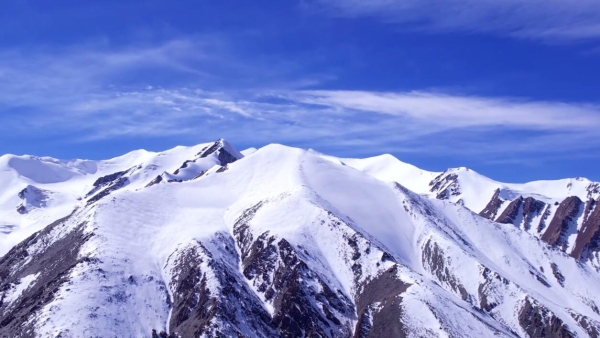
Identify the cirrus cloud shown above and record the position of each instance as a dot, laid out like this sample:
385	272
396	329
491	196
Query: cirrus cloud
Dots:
538	19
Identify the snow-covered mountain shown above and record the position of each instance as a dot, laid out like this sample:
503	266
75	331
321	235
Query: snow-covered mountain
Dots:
562	213
206	241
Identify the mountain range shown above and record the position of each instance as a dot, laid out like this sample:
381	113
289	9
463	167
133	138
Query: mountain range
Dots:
207	241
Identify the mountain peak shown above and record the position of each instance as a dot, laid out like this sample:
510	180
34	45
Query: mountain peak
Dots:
201	241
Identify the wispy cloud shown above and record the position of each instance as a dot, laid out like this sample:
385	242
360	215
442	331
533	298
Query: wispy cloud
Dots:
539	19
452	111
96	93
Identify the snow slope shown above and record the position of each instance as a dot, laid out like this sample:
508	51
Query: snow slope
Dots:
286	243
561	212
68	185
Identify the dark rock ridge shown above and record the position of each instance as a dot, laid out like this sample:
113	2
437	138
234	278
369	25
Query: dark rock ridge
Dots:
225	158
521	212
564	222
50	267
557	274
568	215
33	198
510	214
230	310
386	291
305	304
434	260
223	155
539	322
105	185
493	206
591	326
593	190
156	180
445	185
588	238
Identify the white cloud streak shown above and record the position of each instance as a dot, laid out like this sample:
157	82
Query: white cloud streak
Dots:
73	96
540	19
451	111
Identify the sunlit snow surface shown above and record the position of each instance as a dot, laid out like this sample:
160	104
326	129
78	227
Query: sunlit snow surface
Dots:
138	228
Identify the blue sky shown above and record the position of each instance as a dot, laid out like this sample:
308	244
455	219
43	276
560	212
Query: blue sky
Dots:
508	88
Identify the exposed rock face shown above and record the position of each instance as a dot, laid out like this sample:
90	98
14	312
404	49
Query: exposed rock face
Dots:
211	149
558	275
521	212
435	261
588	238
183	166
224	156
593	190
532	208
445	185
591	326
107	184
510	214
492	281
492	208
227	309
156	180
302	262
33	198
563	221
530	213
379	307
44	270
108	179
539	322
304	303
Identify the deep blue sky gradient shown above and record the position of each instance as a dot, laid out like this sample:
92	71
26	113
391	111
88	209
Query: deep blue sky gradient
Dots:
262	46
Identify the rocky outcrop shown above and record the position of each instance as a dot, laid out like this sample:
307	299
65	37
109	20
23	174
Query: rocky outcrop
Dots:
510	214
521	212
43	266
560	278
224	156
33	198
539	322
210	296
591	327
379	307
434	260
491	210
588	238
156	180
491	282
593	190
445	185
563	222
107	184
304	303
108	179
532	208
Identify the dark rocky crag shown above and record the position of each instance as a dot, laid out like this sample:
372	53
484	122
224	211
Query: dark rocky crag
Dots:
521	212
224	156
539	322
588	238
199	308
563	222
280	273
445	185
386	291
493	206
51	265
